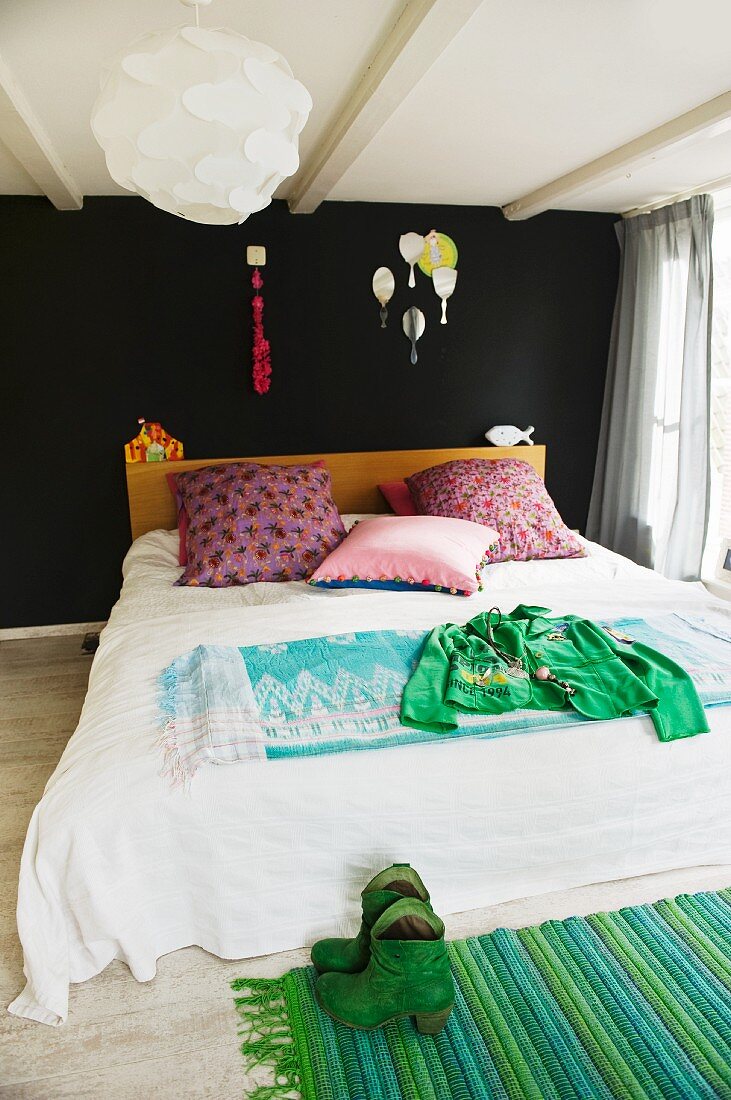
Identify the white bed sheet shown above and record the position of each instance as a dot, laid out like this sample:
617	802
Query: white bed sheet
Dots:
268	856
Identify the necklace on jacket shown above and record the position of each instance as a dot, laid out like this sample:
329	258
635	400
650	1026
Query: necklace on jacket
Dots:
514	665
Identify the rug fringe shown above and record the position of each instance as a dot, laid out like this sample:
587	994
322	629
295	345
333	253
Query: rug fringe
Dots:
267	1036
173	767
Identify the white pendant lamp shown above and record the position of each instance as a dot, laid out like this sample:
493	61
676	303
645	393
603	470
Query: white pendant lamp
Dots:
204	123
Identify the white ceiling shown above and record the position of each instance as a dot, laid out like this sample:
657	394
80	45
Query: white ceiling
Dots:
527	91
531	90
55	50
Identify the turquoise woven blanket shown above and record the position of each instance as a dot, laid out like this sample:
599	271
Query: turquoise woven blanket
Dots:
343	692
633	1005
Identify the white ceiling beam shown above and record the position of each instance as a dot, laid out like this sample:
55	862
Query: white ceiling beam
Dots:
22	132
422	32
706	121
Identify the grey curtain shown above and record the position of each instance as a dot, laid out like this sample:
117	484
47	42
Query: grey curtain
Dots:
652	478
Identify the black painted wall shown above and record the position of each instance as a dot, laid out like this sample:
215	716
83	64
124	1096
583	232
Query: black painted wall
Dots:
120	311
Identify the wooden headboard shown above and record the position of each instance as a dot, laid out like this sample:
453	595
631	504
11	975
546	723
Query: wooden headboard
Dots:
355	477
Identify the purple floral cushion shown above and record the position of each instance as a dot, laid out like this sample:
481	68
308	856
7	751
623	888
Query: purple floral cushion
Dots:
252	523
503	493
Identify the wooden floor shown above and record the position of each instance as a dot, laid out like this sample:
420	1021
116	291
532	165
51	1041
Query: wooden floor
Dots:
174	1037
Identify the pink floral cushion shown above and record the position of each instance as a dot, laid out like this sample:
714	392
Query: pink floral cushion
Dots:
503	493
398	497
407	553
249	523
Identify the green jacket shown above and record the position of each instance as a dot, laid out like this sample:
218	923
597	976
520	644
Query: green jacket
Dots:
459	672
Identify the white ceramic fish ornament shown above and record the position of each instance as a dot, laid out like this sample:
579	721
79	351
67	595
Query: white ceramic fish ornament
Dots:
411	246
507	435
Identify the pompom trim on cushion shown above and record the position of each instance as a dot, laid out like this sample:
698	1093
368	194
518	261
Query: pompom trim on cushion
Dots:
402	584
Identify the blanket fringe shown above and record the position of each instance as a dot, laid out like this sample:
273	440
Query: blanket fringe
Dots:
173	767
267	1036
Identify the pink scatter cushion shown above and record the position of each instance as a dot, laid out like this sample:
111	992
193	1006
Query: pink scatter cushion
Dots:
505	494
398	497
182	519
249	522
403	553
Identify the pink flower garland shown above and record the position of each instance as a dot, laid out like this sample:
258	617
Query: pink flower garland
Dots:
261	359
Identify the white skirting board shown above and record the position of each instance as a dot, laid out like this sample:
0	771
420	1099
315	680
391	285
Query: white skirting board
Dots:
54	630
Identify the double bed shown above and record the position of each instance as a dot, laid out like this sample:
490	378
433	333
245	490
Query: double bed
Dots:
263	856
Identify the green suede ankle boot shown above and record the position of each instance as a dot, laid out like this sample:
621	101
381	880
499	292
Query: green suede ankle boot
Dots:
351	956
408	974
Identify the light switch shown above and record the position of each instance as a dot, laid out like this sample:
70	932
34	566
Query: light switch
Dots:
256	255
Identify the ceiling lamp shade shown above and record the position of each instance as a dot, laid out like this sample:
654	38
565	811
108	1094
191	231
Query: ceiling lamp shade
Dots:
203	123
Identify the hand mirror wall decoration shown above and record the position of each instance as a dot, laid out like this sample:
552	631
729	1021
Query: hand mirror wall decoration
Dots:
414	325
383	287
444	280
411	246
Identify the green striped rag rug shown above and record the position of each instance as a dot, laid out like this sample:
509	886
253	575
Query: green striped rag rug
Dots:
629	1004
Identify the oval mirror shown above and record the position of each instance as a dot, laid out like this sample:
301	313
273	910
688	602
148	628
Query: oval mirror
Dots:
383	288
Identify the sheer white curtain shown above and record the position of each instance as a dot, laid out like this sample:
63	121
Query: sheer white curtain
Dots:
651	482
719	521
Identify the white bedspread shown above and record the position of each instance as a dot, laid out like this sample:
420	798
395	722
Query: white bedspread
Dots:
268	856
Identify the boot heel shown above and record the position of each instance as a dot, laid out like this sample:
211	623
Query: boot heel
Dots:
431	1023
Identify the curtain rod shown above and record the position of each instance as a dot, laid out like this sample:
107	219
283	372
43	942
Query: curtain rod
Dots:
713	185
